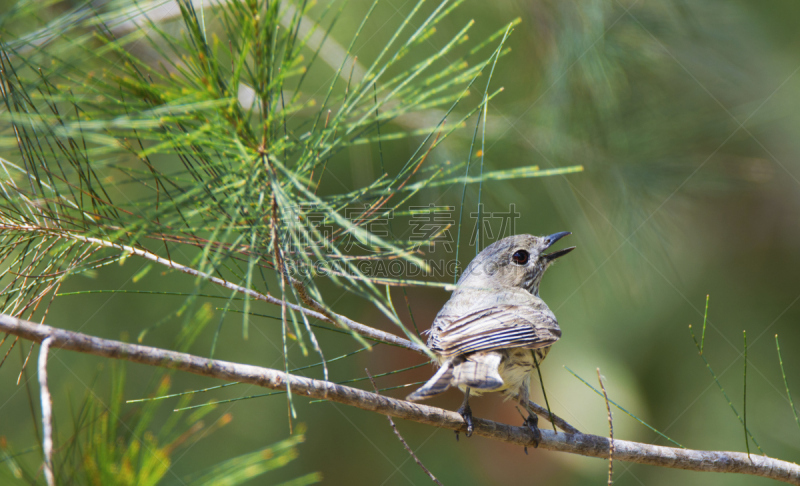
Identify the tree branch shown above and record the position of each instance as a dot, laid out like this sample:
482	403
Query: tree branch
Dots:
583	444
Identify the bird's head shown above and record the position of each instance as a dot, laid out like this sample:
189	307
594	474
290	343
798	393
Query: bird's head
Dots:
516	261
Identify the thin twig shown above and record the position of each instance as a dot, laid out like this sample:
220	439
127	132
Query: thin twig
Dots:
785	382
554	419
544	393
403	441
634	417
329	317
16	338
705	319
744	396
724	393
583	444
24	365
47	413
610	431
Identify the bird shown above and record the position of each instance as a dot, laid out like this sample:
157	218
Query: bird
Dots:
495	329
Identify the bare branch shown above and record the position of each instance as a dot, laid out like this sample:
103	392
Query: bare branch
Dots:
47	413
583	444
402	440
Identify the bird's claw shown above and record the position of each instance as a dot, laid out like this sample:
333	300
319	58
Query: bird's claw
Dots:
466	414
533	424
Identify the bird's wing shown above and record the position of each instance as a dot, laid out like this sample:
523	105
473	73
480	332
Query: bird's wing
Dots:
497	327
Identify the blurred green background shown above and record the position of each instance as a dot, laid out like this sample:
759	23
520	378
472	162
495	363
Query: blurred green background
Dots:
685	117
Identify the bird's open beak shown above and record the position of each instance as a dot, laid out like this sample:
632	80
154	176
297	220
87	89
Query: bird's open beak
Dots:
552	239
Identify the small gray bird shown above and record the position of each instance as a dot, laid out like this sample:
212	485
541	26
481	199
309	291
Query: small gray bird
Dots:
495	330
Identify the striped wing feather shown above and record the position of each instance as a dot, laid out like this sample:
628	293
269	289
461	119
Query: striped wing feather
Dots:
498	327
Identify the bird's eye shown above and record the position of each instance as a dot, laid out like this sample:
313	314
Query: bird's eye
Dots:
520	257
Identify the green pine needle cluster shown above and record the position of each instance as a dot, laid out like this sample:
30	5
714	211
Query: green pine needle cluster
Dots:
210	150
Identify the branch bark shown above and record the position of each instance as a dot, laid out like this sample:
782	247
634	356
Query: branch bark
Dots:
575	443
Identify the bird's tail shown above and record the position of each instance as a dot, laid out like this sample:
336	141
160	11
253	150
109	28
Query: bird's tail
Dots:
478	371
436	385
